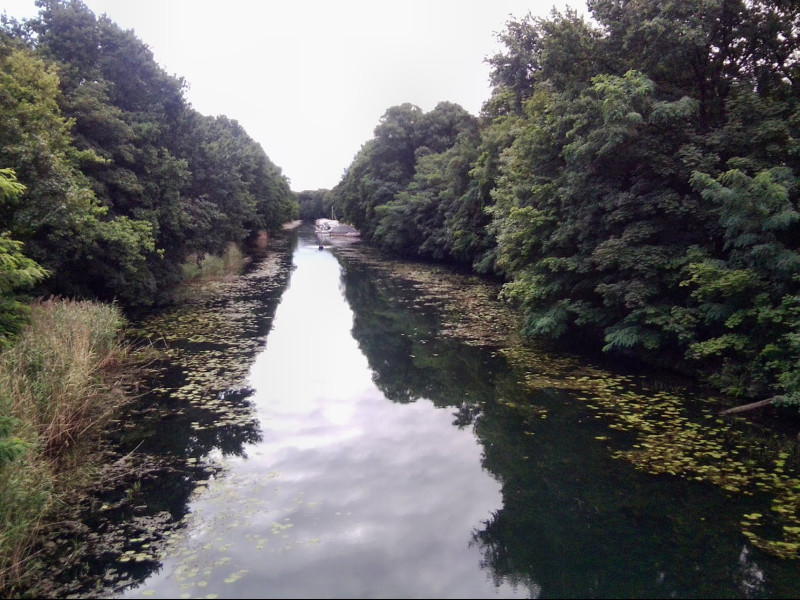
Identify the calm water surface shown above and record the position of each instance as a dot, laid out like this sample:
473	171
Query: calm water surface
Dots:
381	462
347	494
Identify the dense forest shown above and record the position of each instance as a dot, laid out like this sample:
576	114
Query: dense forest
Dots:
632	178
109	179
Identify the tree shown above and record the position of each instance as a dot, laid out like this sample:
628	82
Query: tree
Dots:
748	303
17	272
57	217
152	162
312	204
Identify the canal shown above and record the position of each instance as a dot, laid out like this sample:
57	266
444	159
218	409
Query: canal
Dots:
339	425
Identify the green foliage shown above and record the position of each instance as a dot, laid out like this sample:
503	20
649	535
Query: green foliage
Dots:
747	300
11	447
234	188
632	178
17	272
314	204
405	188
56	215
564	51
124	180
59	385
633	181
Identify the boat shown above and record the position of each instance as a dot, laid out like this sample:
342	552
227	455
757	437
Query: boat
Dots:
332	228
331	232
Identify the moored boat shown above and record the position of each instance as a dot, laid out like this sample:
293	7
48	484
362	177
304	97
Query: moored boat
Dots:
333	228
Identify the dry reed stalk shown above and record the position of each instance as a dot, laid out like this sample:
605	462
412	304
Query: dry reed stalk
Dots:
58	383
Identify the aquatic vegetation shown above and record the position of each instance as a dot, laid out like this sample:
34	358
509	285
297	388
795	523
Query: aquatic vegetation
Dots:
205	348
200	399
200	559
197	356
212	338
471	312
664	433
668	434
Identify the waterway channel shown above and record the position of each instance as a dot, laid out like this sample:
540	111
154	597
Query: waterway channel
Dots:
371	435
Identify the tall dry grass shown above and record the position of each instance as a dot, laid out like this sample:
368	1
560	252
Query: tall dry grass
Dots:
212	266
58	383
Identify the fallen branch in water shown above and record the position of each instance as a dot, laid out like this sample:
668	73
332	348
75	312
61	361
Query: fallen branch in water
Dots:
751	406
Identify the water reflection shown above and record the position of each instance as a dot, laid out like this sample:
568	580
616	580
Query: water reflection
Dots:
383	458
573	522
190	410
408	357
346	494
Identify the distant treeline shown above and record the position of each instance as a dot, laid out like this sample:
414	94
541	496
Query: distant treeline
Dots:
109	179
633	179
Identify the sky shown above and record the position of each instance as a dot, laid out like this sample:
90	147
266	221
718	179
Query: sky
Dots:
310	79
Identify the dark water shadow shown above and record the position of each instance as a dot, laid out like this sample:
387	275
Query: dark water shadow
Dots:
575	522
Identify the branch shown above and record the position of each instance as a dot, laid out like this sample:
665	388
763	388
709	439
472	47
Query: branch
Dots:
751	406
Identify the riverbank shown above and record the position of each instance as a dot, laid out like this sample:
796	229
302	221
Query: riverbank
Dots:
148	460
360	435
60	383
68	390
436	345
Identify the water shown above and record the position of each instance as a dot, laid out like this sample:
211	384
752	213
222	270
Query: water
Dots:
382	456
346	494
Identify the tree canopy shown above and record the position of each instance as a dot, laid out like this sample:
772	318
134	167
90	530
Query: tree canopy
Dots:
121	178
633	179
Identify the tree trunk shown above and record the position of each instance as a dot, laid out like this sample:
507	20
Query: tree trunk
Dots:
746	407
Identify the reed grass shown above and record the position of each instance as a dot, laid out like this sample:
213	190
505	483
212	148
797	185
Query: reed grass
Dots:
59	383
213	266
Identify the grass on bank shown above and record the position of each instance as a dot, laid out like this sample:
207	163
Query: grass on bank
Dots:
212	266
59	383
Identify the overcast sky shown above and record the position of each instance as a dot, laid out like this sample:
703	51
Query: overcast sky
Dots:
309	79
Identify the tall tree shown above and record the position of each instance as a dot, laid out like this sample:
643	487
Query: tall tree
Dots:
150	159
58	218
18	273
